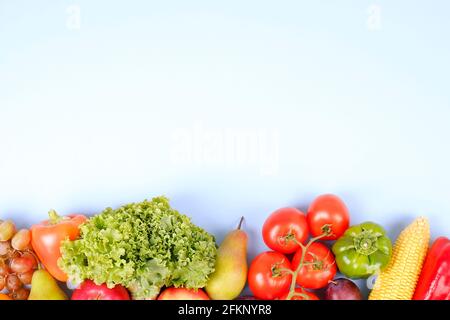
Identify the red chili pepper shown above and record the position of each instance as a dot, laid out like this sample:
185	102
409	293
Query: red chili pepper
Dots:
46	240
434	281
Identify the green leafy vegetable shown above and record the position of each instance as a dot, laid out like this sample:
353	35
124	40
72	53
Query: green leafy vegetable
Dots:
142	246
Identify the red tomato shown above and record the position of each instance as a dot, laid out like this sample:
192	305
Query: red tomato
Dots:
310	295
183	294
320	269
329	210
282	228
265	279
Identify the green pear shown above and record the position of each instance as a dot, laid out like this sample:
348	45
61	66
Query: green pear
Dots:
45	287
230	276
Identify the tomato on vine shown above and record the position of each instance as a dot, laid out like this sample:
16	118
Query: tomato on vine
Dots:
328	211
284	229
319	266
270	275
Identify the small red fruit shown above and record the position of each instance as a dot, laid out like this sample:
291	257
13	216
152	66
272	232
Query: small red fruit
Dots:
183	294
88	290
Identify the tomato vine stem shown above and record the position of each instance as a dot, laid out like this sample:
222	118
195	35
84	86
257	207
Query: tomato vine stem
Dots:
326	232
286	271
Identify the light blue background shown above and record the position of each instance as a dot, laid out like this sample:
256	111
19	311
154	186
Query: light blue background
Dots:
89	116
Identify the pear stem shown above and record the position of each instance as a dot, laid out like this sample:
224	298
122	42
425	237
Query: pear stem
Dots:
240	223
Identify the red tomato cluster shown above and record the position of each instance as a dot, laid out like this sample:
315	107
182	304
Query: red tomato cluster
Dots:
285	232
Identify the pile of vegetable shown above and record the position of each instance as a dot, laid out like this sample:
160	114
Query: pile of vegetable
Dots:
148	250
361	251
143	247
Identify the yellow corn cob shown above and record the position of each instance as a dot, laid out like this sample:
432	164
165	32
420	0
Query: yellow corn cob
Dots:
398	281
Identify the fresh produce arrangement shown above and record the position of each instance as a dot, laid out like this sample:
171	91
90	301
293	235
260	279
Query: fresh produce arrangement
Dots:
141	246
150	251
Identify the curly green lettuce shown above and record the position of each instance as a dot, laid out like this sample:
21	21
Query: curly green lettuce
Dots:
142	246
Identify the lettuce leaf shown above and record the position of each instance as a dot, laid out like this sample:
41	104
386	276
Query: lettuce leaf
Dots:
142	246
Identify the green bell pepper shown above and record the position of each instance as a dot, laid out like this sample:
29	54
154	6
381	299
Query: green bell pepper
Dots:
363	250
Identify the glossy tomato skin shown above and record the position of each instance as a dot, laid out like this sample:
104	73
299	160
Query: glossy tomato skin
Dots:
280	225
317	275
328	209
183	294
265	279
311	296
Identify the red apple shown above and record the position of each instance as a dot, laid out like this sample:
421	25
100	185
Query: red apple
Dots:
88	290
183	294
